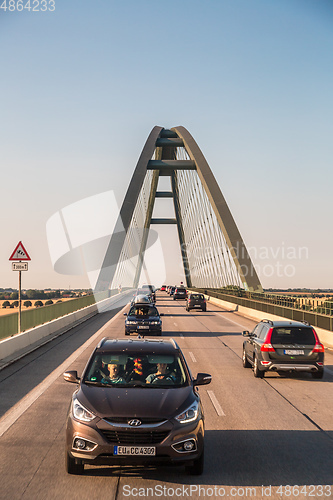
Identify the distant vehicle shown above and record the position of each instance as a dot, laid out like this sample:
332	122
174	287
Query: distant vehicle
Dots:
149	289
163	288
283	346
143	318
172	290
142	299
180	293
136	404
196	300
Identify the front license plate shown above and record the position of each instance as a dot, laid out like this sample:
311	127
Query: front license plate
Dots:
143	327
294	352
134	450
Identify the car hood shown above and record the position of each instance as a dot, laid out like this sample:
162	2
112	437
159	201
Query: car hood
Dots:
135	401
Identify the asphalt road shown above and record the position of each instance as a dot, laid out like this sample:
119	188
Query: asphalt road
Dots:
261	434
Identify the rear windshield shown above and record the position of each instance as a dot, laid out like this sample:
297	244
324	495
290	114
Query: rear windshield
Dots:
143	310
197	296
293	335
134	369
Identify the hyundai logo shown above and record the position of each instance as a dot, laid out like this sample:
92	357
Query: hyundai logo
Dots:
135	422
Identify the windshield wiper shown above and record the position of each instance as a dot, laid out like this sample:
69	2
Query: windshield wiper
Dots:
98	384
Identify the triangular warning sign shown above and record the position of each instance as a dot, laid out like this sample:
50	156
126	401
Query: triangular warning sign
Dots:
20	253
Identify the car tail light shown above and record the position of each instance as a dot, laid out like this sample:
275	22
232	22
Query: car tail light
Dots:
318	348
267	346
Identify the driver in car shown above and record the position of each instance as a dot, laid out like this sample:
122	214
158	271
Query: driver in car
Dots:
113	377
161	374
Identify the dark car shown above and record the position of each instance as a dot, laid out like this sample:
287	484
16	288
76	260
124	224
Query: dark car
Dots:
196	300
172	290
180	293
283	346
149	290
144	318
124	413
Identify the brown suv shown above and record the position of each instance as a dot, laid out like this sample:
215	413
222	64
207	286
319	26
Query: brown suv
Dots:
136	403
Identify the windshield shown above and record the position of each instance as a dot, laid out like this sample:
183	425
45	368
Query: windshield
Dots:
136	370
143	310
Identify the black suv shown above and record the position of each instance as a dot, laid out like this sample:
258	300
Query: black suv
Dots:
283	346
196	300
136	403
180	293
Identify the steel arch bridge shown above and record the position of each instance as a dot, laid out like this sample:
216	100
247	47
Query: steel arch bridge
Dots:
212	249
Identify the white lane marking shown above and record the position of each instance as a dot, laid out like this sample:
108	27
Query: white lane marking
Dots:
216	404
192	357
175	324
10	417
238	324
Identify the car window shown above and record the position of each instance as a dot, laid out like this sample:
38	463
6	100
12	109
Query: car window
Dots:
263	332
197	296
257	329
143	310
137	370
293	335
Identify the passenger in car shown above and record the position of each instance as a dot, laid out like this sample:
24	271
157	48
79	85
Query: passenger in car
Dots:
162	374
113	377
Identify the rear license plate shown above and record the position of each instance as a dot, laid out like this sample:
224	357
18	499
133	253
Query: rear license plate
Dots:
134	450
293	352
143	327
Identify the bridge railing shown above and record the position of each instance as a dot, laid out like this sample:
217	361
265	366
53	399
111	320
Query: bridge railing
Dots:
38	316
294	308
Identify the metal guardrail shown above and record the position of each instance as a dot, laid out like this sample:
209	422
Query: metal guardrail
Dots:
278	305
40	315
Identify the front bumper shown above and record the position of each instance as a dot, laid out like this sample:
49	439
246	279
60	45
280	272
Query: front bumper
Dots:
103	450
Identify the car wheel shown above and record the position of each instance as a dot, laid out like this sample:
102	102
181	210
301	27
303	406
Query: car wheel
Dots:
318	374
246	362
256	372
203	309
197	468
126	333
73	466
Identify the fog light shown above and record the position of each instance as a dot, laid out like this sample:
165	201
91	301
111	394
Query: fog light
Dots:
188	445
80	443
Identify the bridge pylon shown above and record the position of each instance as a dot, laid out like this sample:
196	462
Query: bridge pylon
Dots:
213	252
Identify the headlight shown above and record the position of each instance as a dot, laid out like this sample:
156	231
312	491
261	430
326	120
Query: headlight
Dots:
131	322
156	322
81	413
189	415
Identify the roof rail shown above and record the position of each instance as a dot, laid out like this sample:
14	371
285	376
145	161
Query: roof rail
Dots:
267	321
102	342
306	323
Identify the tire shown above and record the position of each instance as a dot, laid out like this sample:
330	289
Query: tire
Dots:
318	374
256	372
73	466
126	333
197	468
187	309
203	309
246	362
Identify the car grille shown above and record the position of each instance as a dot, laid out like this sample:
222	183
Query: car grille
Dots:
125	420
130	437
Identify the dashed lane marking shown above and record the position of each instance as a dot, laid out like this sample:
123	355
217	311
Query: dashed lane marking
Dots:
192	357
216	404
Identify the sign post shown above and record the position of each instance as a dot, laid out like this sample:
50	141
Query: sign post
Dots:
19	254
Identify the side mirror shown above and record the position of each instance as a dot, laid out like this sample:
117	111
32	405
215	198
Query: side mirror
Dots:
202	379
246	333
125	314
161	314
71	376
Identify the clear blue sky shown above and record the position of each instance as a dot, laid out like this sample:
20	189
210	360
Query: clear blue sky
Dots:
252	80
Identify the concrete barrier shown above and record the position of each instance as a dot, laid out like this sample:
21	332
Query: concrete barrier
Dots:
325	336
14	347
